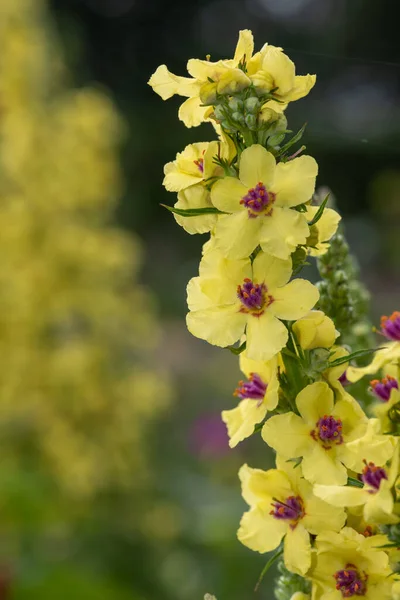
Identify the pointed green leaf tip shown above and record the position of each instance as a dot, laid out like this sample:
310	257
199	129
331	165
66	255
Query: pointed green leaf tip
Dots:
193	212
319	212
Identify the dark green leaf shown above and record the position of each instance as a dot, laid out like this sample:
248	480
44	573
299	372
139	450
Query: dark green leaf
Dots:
351	481
319	212
267	567
296	138
194	212
357	354
237	350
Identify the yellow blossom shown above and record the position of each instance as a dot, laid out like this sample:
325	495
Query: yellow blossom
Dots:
321	435
389	353
323	230
231	297
315	330
195	196
194	165
348	564
260	204
259	395
282	504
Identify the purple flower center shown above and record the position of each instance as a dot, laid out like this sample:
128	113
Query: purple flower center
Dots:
254	297
254	388
258	200
373	475
390	326
328	430
350	582
343	379
292	509
382	389
199	164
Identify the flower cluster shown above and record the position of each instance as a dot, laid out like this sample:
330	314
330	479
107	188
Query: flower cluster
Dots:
330	505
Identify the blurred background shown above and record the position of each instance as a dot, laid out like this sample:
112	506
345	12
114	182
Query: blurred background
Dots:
116	481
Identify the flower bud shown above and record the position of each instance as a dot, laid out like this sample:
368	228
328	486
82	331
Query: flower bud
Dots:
251	122
219	112
252	105
238	117
315	330
208	92
235	105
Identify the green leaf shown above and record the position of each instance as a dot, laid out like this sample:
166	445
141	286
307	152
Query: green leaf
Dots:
296	138
194	212
267	567
319	212
352	482
237	349
357	354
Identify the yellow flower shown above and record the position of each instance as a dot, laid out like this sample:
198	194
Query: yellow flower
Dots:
195	196
259	395
270	69
348	564
323	230
376	496
259	203
389	353
233	296
396	590
193	165
315	330
225	76
388	393
320	435
282	504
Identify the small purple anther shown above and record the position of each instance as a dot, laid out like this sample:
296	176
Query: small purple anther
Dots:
258	200
330	429
372	475
390	326
254	388
350	583
253	296
382	389
292	509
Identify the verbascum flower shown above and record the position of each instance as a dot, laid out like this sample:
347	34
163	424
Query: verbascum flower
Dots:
259	394
322	231
315	330
349	565
260	204
231	297
195	196
194	165
321	435
375	497
282	504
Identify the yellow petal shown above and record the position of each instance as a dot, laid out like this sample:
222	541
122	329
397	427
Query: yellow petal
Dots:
196	298
287	434
315	330
220	326
372	447
237	235
282	231
227	193
321	466
260	531
266	369
294	300
274	272
302	86
265	335
192	113
215	265
240	421
244	47
326	228
321	516
341	495
256	165
379	507
294	181
315	401
196	196
281	68
245	475
389	353
297	550
166	84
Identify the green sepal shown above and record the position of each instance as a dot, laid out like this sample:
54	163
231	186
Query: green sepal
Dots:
194	212
237	349
319	212
352	482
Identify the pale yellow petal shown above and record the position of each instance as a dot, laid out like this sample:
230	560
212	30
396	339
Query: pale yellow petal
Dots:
266	369
281	68
282	231
256	165
288	435
240	421
196	298
245	46
315	401
166	84
388	353
294	300
192	113
273	271
379	507
321	516
341	495
265	335
215	265
259	531
196	196
220	326
227	193
297	550
315	330
326	227
321	466
294	181
245	475
237	235
302	86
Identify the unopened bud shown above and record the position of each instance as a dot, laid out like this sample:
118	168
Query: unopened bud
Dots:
252	105
235	105
251	121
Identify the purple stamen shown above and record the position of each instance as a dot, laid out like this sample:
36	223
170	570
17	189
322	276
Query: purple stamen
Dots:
292	509
390	326
258	200
350	583
373	475
255	388
254	297
343	379
382	389
199	164
329	429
